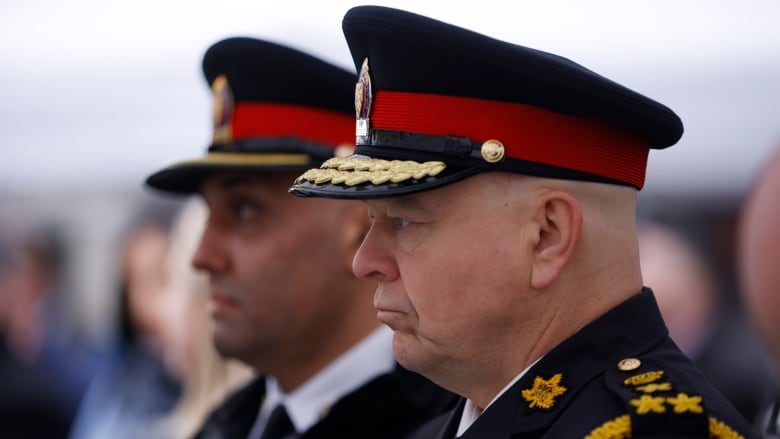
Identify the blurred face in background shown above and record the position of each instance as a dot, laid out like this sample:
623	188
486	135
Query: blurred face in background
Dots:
277	265
759	250
145	277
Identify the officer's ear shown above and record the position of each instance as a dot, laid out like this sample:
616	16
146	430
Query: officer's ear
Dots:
559	221
354	228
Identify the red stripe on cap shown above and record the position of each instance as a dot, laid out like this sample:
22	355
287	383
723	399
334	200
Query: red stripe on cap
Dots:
527	132
276	120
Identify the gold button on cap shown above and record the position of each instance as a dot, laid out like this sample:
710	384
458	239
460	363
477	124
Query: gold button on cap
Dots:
627	364
492	151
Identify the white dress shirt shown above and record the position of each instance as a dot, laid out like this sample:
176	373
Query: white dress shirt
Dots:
311	401
471	412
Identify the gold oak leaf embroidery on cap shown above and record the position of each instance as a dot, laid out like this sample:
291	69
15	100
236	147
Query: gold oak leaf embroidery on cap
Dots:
543	392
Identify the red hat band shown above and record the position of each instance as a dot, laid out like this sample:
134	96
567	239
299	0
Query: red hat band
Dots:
528	133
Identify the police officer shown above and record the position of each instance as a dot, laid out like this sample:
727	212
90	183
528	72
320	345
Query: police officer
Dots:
502	185
283	297
758	251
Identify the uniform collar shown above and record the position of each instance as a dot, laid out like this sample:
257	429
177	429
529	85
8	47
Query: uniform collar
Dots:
565	370
470	410
311	401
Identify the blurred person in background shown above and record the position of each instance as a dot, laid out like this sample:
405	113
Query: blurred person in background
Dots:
326	365
206	377
34	400
134	387
758	266
41	339
711	333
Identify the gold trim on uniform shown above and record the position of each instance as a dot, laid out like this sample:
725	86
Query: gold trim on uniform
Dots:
620	428
646	404
655	387
683	403
351	172
543	392
722	431
643	378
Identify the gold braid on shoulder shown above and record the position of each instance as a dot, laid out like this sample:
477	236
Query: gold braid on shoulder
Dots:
620	428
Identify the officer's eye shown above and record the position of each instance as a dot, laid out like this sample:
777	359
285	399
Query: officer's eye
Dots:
401	223
245	210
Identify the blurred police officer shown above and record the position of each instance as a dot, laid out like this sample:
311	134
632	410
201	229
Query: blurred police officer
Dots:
283	297
757	243
502	185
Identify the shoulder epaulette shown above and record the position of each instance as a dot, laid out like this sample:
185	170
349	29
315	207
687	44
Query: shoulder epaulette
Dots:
656	405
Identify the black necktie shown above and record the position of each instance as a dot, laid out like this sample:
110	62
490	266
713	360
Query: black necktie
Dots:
278	425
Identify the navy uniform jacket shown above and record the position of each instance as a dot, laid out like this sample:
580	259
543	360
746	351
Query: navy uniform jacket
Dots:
620	376
389	406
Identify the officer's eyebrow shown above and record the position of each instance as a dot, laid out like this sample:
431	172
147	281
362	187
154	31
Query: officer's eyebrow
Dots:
230	182
403	203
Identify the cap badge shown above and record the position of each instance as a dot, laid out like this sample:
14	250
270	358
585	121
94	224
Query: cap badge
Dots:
492	151
223	111
543	393
363	100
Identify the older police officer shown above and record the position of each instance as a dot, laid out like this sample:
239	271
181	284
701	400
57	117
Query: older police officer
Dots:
502	185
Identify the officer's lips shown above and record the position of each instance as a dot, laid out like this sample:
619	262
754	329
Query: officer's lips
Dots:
389	314
220	304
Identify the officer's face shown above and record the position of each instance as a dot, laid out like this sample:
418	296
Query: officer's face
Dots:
452	267
275	263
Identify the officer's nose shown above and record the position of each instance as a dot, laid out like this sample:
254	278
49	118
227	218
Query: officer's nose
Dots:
210	256
374	259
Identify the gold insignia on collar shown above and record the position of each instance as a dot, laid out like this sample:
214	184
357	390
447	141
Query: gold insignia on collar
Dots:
643	378
655	387
683	403
543	393
646	404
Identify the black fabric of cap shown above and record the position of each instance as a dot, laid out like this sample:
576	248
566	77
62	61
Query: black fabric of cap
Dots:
264	72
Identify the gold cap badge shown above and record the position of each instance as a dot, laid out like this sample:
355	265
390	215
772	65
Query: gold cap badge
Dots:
223	111
363	101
